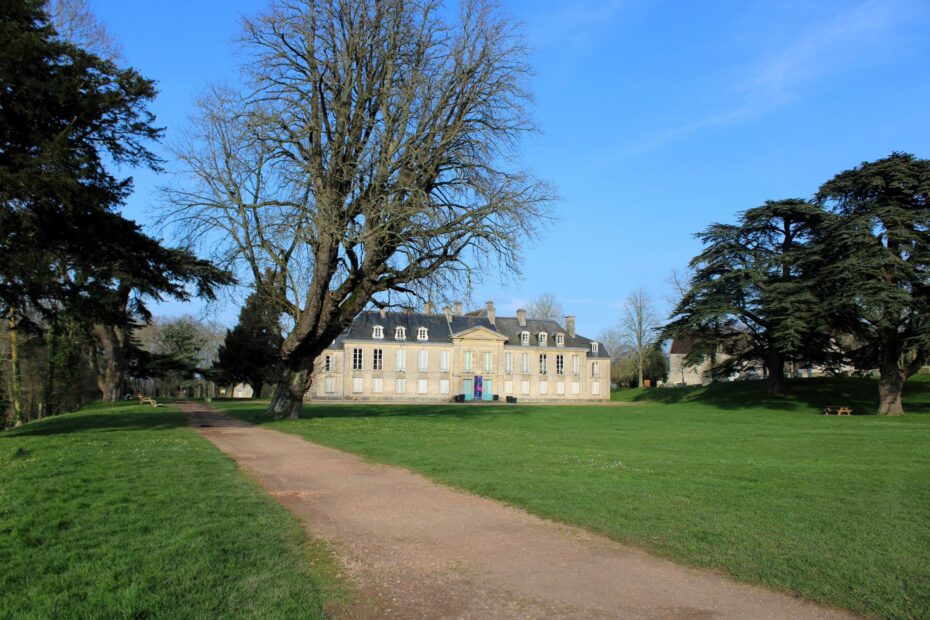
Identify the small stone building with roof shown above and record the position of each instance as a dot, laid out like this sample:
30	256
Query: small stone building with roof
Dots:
433	357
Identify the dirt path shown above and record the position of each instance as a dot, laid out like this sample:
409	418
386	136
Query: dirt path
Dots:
417	549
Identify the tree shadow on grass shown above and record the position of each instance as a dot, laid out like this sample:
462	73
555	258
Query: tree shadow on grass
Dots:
98	422
254	411
860	393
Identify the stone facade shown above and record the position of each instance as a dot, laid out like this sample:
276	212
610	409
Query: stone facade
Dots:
430	357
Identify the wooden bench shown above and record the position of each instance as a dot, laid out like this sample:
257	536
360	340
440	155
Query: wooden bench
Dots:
147	400
837	410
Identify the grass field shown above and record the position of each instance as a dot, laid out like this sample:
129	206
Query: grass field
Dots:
121	511
835	509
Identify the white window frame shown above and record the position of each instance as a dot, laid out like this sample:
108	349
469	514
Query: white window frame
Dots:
542	338
377	359
422	334
443	386
467	365
443	361
423	360
377	385
358	385
422	386
594	347
543	364
488	362
328	363
400	360
560	388
525	363
400	333
358	359
560	364
524	387
543	388
400	385
330	385
508	363
560	340
377	332
596	370
525	339
576	388
576	365
596	388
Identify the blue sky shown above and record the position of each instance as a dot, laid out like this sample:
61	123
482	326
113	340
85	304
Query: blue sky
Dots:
657	118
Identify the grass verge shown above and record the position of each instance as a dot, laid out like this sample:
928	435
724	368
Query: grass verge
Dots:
123	511
834	509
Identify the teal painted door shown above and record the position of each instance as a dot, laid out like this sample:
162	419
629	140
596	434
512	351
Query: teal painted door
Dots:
468	389
488	393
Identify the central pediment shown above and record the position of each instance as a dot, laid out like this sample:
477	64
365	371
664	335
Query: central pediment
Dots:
479	333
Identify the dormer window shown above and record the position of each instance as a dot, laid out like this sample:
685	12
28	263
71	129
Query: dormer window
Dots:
377	332
422	333
525	338
560	340
594	347
541	338
400	333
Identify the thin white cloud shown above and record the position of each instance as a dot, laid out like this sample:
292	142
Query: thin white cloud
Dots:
865	33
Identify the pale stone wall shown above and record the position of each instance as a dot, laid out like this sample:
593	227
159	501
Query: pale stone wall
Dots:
342	382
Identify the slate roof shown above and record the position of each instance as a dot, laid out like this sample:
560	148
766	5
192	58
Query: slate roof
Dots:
441	330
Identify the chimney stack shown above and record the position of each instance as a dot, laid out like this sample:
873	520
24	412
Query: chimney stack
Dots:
521	317
492	315
448	312
458	308
382	312
570	326
429	308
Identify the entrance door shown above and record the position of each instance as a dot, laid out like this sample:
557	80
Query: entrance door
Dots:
488	390
468	389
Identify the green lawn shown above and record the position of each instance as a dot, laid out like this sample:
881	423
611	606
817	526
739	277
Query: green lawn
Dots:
121	511
836	509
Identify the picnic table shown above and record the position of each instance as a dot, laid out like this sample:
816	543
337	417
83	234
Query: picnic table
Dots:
837	410
147	400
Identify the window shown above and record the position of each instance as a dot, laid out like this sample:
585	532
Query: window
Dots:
576	388
541	338
422	384
576	365
443	386
377	362
377	332
596	389
594	347
524	387
466	362
400	386
422	333
377	385
525	363
400	333
356	359
560	340
543	388
595	370
525	338
401	362
560	388
357	385
443	361
328	363
508	363
543	363
508	387
560	364
423	361
330	385
488	361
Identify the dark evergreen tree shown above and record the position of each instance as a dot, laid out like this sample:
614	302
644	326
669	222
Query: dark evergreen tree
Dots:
65	114
252	348
875	272
753	296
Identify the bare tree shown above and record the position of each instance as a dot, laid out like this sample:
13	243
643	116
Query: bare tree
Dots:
679	281
76	23
371	157
638	326
546	306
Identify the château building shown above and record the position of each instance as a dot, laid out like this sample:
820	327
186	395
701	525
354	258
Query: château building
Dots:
433	357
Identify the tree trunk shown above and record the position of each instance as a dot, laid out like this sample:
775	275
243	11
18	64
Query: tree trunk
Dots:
111	341
257	389
776	367
288	394
15	385
890	387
